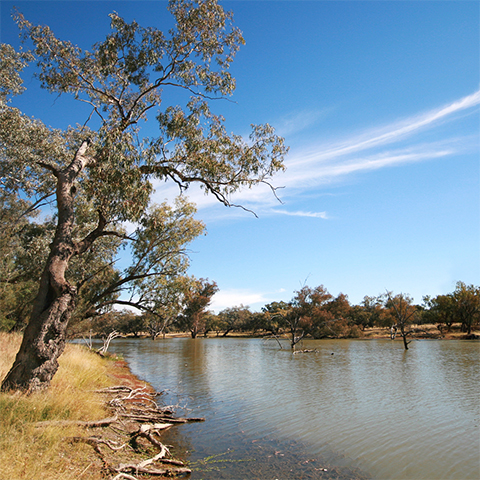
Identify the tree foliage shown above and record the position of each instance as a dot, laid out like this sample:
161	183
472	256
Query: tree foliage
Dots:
402	312
104	170
233	319
196	300
312	312
461	306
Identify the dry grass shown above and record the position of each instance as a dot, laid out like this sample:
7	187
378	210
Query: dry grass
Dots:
29	452
423	331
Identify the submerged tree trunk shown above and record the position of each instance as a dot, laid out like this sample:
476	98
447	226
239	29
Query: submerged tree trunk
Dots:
44	339
294	339
404	337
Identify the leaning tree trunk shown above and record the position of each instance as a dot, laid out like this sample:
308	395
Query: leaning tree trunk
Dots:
44	339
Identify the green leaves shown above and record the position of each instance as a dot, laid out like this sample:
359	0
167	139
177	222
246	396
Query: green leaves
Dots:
11	64
197	297
122	78
161	237
102	172
28	151
204	152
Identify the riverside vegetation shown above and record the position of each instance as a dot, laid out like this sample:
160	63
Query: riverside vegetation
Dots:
312	313
59	272
95	421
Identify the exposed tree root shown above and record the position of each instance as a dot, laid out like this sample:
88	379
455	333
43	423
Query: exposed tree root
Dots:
123	440
142	466
95	442
121	476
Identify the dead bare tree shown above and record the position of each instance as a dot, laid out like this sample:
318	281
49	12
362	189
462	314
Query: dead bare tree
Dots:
106	342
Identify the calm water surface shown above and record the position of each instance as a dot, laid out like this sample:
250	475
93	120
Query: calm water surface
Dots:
359	409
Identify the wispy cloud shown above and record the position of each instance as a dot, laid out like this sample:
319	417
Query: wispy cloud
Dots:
248	298
324	172
299	121
393	133
232	297
395	144
392	145
300	213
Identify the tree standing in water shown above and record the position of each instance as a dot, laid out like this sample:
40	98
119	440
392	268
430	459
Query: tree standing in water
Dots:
403	312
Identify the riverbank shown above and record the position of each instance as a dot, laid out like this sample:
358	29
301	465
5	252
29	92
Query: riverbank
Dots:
65	432
96	421
425	331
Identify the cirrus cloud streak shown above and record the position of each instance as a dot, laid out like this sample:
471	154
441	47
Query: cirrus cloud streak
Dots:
399	143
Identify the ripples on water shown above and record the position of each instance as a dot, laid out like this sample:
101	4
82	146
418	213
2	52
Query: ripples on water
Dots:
352	407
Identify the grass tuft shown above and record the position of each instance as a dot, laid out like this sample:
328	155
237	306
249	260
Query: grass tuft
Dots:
28	451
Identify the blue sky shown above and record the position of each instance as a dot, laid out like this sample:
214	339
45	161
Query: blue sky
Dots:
379	103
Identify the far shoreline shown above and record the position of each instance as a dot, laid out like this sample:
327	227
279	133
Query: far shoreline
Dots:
420	332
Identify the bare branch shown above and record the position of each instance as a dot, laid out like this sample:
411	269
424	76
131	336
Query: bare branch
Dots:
87	242
49	167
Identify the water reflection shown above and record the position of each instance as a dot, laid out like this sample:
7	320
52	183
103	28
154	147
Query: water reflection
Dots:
361	406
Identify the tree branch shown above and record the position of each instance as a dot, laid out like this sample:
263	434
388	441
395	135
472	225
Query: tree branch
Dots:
87	242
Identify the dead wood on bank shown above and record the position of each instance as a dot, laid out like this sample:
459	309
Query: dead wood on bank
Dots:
133	432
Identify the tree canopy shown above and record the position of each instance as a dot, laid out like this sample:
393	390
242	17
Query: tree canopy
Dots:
100	173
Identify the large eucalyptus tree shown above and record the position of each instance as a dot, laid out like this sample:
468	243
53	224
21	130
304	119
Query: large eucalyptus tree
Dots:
111	166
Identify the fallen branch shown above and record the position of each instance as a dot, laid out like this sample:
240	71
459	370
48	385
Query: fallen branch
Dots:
141	467
95	442
137	394
273	335
106	343
155	427
167	411
169	461
134	419
160	417
159	472
118	388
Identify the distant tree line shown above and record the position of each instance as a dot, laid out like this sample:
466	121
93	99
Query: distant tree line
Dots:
166	299
312	313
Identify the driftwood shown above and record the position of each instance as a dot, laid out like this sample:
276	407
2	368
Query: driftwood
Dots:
306	350
131	395
142	466
273	335
121	440
96	442
106	343
161	418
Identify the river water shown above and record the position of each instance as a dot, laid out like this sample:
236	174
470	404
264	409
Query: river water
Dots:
353	409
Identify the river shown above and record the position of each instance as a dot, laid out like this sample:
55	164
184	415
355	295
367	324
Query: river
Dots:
353	409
